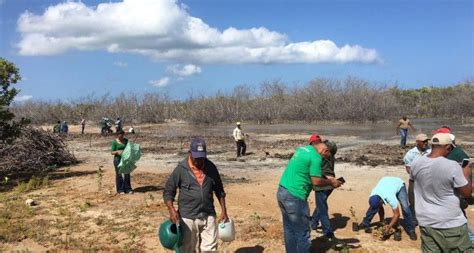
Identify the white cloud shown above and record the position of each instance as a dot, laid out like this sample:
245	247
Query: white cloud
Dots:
164	30
161	82
182	71
23	98
120	64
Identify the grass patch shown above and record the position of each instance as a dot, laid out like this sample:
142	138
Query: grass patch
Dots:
33	184
14	216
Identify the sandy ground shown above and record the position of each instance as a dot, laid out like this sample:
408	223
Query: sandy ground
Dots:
75	214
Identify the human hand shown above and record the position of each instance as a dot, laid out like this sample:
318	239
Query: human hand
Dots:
334	182
174	216
223	218
388	230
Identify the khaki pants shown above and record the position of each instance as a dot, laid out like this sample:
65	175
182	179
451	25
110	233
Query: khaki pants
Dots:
445	240
203	231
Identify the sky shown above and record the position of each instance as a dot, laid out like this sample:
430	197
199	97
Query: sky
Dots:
71	49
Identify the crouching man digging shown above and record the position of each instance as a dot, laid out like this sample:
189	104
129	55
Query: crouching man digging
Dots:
391	191
197	179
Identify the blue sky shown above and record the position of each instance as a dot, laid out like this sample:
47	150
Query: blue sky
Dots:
67	50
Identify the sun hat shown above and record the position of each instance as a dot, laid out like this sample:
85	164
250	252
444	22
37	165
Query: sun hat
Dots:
422	137
442	139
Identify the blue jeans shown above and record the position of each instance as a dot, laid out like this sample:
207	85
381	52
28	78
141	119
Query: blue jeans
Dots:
296	228
122	181
321	212
403	137
402	197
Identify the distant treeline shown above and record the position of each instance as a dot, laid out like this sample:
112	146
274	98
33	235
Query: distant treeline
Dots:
351	99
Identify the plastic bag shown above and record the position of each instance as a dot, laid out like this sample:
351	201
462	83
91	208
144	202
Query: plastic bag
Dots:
130	156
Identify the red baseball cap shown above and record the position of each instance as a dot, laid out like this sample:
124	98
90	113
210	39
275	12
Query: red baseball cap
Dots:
443	130
314	138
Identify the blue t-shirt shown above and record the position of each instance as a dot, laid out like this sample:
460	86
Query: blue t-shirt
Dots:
414	153
387	189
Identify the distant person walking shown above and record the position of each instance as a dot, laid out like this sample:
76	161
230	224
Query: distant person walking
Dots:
322	193
402	129
64	128
57	127
197	179
302	172
83	125
122	181
118	125
438	183
239	137
391	191
420	149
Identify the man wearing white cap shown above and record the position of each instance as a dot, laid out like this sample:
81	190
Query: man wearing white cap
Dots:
420	149
239	138
438	182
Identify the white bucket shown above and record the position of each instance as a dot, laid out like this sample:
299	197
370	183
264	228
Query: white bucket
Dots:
226	231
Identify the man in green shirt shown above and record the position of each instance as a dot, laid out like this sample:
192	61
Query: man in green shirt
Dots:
302	172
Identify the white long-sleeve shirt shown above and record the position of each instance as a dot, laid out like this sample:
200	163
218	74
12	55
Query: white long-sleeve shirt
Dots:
238	134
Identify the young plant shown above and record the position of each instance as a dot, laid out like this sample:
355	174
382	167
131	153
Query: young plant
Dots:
353	214
100	177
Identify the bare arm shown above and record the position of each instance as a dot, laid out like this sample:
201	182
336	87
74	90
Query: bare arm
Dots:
396	216
174	215
223	216
466	190
412	127
319	181
398	127
117	152
407	168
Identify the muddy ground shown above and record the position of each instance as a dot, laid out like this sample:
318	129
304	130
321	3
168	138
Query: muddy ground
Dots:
77	208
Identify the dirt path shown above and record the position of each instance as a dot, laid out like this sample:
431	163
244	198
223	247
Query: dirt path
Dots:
78	209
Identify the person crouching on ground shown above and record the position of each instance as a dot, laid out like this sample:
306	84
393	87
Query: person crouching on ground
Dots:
122	181
302	172
322	192
389	190
438	183
197	179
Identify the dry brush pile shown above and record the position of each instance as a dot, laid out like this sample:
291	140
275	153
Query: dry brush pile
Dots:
35	151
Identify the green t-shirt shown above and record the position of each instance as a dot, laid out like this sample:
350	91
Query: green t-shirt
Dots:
304	164
117	146
458	155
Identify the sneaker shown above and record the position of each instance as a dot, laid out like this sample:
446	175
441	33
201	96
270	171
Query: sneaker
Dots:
413	236
121	193
130	192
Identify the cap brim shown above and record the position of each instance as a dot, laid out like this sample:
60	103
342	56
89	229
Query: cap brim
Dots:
199	154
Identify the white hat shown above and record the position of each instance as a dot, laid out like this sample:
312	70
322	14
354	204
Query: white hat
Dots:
422	137
441	139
